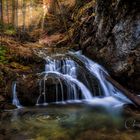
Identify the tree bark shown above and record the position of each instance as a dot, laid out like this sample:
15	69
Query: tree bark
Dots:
7	11
24	15
13	12
134	98
16	13
1	12
1	22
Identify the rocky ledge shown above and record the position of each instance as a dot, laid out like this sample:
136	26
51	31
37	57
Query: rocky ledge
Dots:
112	38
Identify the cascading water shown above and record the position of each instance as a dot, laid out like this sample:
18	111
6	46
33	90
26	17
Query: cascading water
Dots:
100	73
65	71
15	100
71	74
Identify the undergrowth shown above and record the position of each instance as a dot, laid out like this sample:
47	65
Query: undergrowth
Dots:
3	51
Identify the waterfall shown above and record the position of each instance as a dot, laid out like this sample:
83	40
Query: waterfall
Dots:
99	72
69	77
72	75
15	100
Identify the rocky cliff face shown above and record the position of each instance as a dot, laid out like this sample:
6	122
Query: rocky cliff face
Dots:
114	39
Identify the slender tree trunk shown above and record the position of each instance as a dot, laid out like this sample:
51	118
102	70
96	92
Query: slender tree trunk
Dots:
24	14
7	11
31	15
45	9
13	12
31	10
1	22
1	12
16	14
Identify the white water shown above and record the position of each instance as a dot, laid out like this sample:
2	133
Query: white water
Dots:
65	70
72	84
15	100
99	72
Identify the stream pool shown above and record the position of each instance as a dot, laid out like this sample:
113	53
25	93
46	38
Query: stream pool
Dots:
68	122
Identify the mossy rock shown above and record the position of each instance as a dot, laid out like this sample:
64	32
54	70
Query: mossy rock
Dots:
3	51
19	66
7	106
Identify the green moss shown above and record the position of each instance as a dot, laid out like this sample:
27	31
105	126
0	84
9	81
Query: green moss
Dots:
9	30
19	66
1	26
3	51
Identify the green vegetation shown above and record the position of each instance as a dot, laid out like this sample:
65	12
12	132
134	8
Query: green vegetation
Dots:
1	26
3	51
10	30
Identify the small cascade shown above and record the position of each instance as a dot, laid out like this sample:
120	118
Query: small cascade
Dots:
72	77
15	100
99	72
64	72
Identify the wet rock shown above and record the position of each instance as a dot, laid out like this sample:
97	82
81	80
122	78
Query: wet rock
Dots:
28	90
2	98
6	106
114	39
22	62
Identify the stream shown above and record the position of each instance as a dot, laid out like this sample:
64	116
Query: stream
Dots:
75	101
65	122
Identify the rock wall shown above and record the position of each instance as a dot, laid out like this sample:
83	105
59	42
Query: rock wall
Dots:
114	39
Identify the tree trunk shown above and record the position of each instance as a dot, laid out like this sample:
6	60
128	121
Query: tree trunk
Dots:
16	13
24	14
13	12
1	12
134	98
7	11
1	22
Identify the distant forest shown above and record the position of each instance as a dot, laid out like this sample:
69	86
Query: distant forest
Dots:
21	13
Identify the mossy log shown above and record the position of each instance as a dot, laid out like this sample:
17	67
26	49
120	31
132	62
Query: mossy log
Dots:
134	98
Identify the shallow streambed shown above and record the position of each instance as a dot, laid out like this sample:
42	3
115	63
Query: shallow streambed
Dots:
67	122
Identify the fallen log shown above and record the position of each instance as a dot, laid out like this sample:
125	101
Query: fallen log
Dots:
134	98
